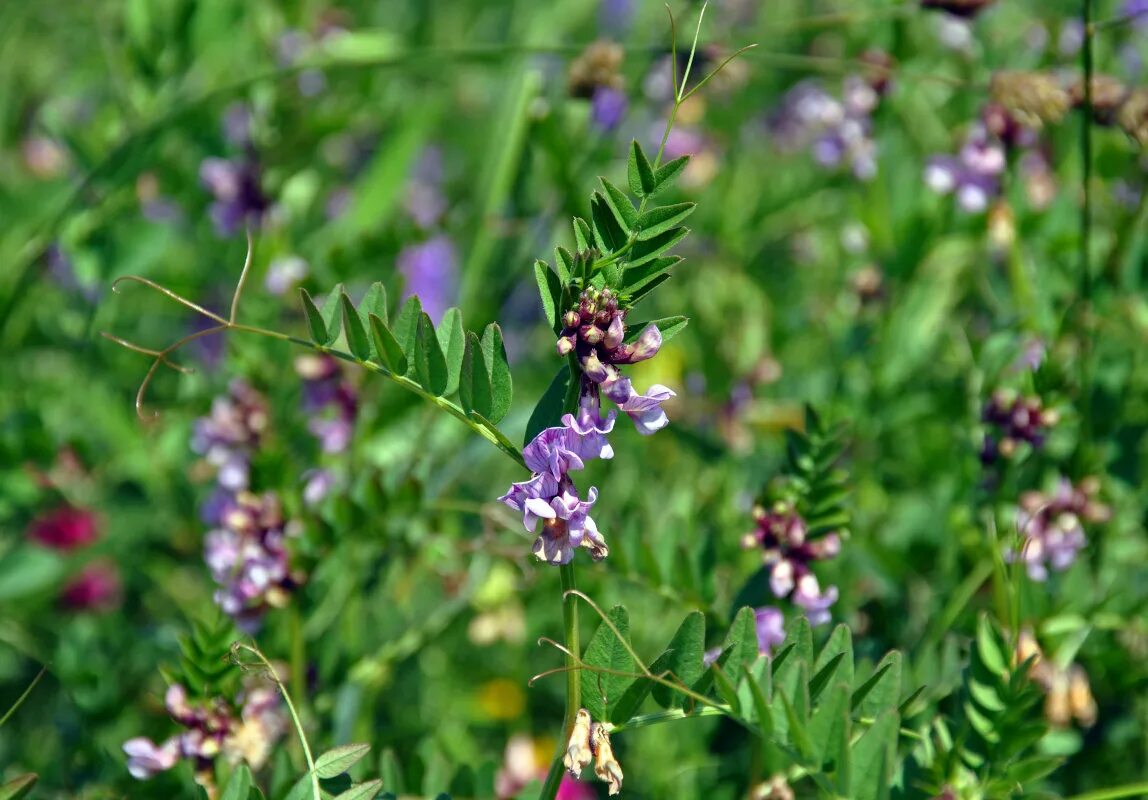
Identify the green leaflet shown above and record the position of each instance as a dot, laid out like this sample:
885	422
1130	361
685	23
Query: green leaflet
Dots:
452	341
601	691
339	759
314	319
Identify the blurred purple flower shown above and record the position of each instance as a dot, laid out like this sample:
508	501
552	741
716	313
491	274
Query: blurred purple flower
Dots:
146	759
615	16
608	107
837	132
1137	10
1052	526
237	125
65	528
284	273
770	624
430	271
788	553
974	175
235	185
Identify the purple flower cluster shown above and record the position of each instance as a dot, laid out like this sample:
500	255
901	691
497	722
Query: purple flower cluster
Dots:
248	558
329	399
595	331
788	552
227	438
769	625
430	271
551	496
1013	419
213	729
1051	526
837	131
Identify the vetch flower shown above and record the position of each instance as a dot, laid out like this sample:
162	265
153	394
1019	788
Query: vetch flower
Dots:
788	552
146	759
578	754
1012	419
770	625
239	198
1052	526
567	524
606	766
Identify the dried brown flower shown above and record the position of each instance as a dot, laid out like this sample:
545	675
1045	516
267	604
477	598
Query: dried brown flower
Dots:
1034	98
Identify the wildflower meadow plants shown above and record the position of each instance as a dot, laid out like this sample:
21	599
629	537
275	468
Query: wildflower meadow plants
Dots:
835	493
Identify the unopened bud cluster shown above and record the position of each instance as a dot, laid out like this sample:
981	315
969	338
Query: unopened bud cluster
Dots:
596	328
590	741
788	551
1014	419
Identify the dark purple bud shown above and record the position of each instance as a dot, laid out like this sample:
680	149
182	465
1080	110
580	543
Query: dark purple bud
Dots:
571	319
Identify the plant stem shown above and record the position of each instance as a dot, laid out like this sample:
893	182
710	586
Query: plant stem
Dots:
573	680
20	700
315	791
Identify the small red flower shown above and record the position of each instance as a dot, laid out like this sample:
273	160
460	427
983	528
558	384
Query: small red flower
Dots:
95	588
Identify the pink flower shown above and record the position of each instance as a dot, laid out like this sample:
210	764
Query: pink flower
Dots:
65	528
95	588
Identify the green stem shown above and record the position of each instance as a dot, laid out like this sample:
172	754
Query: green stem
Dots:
573	680
669	716
315	790
20	700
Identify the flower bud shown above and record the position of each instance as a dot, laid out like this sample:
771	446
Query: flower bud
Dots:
591	334
578	754
594	369
606	767
648	344
571	319
614	333
565	345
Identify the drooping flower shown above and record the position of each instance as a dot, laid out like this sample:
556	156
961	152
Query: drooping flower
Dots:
64	528
566	524
606	766
1052	526
578	754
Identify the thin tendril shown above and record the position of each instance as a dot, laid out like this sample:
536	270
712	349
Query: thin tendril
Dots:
242	280
162	290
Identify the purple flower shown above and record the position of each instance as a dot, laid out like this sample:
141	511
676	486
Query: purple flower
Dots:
607	107
283	274
812	600
644	409
1137	10
588	432
837	132
616	16
146	759
317	484
430	271
1052	527
770	624
788	552
239	200
566	524
551	452
541	485
973	176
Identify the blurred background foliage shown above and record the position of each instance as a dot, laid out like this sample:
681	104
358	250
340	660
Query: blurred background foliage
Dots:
877	300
